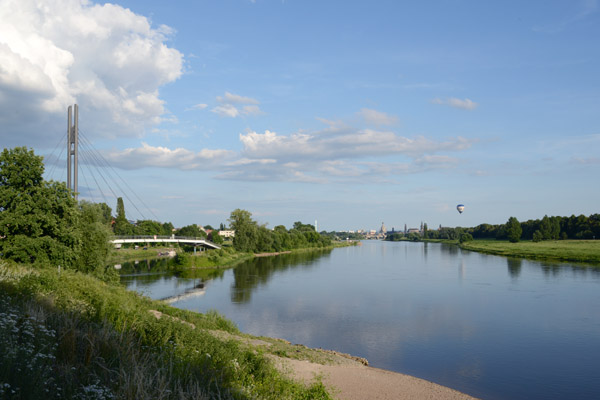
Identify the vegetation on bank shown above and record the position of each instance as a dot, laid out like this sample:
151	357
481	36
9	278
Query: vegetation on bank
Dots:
587	251
551	238
79	337
69	327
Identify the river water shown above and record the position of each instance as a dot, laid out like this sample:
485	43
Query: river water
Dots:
489	326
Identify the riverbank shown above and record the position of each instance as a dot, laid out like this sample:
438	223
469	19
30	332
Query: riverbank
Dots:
86	334
580	251
583	251
223	258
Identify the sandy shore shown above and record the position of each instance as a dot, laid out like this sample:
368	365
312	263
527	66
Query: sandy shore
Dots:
346	377
351	380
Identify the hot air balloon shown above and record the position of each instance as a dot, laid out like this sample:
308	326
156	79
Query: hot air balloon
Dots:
460	208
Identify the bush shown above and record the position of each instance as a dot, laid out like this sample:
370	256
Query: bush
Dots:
465	237
537	236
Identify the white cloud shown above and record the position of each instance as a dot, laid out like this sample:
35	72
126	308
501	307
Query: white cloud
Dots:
226	110
336	154
163	157
344	145
230	104
200	106
466	104
104	57
377	117
230	98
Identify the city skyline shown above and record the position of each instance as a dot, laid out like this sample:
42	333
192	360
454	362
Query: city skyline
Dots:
341	112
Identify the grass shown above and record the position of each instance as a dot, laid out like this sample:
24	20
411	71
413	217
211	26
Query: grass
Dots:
587	251
78	337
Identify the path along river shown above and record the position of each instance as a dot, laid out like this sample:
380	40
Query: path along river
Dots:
489	326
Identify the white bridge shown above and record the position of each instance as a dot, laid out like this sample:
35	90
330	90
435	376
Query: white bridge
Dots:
164	239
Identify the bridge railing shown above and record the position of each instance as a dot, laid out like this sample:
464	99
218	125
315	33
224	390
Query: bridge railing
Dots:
164	237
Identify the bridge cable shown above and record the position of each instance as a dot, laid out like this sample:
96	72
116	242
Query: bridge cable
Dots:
102	162
92	162
54	161
85	157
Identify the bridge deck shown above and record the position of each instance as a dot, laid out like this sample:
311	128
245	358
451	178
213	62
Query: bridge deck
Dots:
164	239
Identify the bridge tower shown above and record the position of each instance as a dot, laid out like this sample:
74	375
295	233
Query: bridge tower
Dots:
72	147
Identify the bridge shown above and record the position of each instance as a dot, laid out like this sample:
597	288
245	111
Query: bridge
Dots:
117	240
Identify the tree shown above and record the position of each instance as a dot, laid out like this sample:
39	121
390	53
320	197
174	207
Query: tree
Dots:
191	231
167	229
122	226
95	235
38	219
216	238
303	227
106	213
246	230
465	237
513	230
148	227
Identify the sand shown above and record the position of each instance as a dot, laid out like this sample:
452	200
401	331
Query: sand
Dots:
351	380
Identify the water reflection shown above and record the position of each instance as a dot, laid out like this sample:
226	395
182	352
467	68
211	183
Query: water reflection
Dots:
247	277
503	328
514	266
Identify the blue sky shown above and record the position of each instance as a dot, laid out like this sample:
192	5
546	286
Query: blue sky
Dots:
351	113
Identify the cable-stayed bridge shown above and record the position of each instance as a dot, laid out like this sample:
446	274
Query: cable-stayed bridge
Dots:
165	239
92	157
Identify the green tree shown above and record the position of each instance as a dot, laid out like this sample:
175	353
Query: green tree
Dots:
122	226
465	237
38	219
246	230
167	229
303	227
95	236
216	238
148	227
191	231
513	230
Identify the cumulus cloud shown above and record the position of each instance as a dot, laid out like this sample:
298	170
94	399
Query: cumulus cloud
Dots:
375	117
104	57
345	145
200	106
163	157
338	153
233	105
466	104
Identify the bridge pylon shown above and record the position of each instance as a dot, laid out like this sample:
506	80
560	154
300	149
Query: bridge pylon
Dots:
72	147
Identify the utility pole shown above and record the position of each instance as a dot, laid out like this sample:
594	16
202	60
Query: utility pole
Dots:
72	147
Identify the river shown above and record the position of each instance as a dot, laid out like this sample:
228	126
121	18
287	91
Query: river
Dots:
489	326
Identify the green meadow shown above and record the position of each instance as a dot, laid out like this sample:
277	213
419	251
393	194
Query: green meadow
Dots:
587	251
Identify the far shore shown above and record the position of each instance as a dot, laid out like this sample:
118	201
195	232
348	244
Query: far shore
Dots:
570	250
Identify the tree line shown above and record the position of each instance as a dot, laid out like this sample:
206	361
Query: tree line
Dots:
547	228
42	223
254	238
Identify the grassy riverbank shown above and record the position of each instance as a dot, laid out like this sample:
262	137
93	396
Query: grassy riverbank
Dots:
78	337
226	257
587	251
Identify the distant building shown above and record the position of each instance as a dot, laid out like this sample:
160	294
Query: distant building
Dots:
227	234
383	229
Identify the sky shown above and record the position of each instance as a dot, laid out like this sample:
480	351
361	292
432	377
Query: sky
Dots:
350	113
